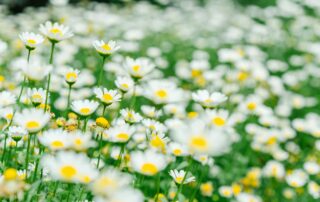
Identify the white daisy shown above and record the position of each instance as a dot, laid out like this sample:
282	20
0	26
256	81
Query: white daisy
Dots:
7	99
32	119
124	84
206	99
148	162
120	133
180	176
31	40
55	32
130	116
106	96
105	49
84	107
138	68
17	132
37	96
71	76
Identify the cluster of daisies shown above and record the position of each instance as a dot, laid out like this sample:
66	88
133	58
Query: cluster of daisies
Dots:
224	112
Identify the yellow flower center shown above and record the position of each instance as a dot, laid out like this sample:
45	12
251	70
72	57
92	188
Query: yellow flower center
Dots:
136	68
196	73
125	86
57	144
68	172
123	136
71	76
105	182
218	121
149	168
56	31
78	142
251	106
156	141
106	47
242	76
10	174
86	179
177	152
162	93
31	41
9	116
179	179
107	97
199	143
85	110
32	125
36	96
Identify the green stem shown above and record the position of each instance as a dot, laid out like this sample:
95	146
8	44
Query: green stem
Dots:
69	95
49	76
84	128
197	187
100	145
133	101
27	155
101	70
4	147
157	182
104	109
120	155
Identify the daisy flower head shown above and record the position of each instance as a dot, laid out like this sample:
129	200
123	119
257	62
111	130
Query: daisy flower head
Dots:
110	181
37	96
177	149
297	178
55	139
81	141
84	107
130	116
163	92
17	132
105	49
6	113
35	70
200	139
180	176
106	96
120	133
31	40
124	84
138	68
71	76
32	119
217	118
148	162
7	99
55	32
70	167
208	100
150	111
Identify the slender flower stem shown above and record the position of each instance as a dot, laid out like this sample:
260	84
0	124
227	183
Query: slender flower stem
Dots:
120	155
69	95
134	97
24	78
101	70
84	128
104	109
157	182
49	76
100	145
27	155
4	147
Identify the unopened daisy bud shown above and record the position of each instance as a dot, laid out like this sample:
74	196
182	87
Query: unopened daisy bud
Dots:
10	174
105	49
61	121
102	122
71	76
72	115
31	40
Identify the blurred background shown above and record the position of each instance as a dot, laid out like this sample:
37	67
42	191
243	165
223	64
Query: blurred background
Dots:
16	6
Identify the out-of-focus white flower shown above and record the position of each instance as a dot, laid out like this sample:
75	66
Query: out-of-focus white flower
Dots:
206	99
31	40
55	32
84	107
180	176
32	119
105	49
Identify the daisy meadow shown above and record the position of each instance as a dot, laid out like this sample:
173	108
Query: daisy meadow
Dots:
160	100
